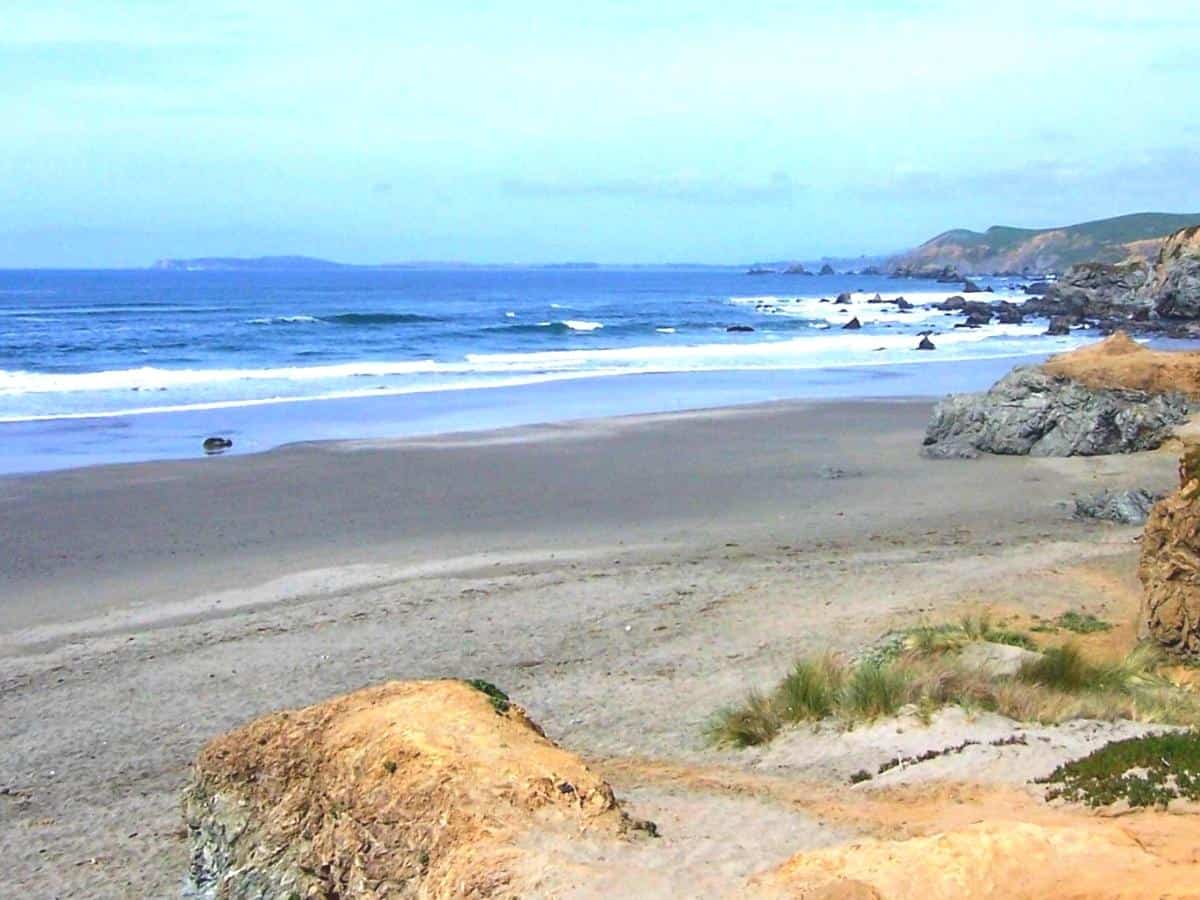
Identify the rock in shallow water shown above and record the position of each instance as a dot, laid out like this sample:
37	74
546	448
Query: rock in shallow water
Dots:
1030	412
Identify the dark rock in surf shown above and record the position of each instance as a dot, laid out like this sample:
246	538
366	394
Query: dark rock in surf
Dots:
852	325
739	328
217	445
926	344
1059	325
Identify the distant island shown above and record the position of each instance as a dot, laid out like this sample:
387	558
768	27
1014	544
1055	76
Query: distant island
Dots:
1002	249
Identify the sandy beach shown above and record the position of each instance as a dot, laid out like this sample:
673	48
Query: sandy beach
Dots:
621	578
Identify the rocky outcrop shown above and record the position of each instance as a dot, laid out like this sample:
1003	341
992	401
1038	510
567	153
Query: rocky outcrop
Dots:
827	269
1174	286
1030	411
1169	567
1163	297
1123	507
410	789
1094	290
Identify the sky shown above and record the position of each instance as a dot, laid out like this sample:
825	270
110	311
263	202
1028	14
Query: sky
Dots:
531	131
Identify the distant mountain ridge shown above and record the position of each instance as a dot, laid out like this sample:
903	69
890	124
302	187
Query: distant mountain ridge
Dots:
1003	249
314	264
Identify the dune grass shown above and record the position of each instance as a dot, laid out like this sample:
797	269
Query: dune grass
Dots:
1061	685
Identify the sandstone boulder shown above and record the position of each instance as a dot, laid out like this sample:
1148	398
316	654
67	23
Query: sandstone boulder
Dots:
1169	567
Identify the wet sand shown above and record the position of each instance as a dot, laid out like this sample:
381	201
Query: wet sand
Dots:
622	578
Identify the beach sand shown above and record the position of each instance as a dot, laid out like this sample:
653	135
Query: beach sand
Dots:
621	578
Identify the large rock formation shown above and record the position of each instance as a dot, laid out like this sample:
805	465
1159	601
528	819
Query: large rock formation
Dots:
401	790
1126	294
1174	285
1032	412
1170	565
1005	859
1095	290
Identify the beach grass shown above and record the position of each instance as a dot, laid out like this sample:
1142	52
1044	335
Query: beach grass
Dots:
926	674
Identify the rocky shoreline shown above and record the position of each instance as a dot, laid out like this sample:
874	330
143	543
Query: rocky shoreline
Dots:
1158	298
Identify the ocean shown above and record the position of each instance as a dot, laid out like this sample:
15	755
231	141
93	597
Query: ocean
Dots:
103	366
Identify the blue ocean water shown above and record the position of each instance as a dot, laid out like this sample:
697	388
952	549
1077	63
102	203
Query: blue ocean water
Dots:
112	348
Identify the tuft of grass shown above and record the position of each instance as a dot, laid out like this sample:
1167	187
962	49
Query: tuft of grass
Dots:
498	698
874	690
1061	668
1146	771
810	691
1082	623
755	722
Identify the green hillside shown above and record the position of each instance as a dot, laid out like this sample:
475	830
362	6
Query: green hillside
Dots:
1006	249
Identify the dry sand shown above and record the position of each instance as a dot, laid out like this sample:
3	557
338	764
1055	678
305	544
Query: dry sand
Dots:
620	578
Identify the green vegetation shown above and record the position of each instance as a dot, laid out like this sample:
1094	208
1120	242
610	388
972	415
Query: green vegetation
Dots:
921	667
1103	240
1147	771
1082	623
500	701
755	722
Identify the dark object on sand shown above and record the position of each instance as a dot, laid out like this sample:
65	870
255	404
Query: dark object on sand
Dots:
217	444
853	324
926	343
1123	507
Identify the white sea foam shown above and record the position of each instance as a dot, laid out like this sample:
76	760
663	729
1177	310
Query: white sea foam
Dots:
665	330
580	325
284	320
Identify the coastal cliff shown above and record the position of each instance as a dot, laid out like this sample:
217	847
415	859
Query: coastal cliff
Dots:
1135	237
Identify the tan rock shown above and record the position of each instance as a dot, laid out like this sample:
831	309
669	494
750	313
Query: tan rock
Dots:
1013	860
408	789
1169	568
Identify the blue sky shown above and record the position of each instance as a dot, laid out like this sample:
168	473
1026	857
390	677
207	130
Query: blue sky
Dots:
612	131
